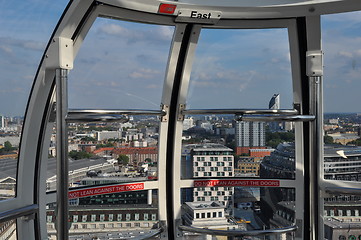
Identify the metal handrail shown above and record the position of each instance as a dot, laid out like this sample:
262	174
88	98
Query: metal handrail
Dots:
240	111
117	112
272	118
237	233
343	190
73	118
18	212
107	115
150	235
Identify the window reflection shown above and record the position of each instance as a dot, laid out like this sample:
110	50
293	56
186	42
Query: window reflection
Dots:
121	65
240	68
251	208
342	151
21	49
252	149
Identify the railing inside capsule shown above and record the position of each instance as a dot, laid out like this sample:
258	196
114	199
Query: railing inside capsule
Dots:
287	115
238	233
18	212
108	115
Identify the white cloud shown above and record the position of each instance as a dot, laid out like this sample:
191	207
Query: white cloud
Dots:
145	73
153	34
345	54
6	49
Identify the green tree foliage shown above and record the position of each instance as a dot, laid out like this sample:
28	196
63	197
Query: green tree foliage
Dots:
123	159
356	142
275	138
88	139
79	155
8	148
328	139
105	145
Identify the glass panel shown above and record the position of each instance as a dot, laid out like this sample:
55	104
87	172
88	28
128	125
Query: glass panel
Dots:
241	69
23	39
246	208
121	65
8	230
342	158
116	215
217	146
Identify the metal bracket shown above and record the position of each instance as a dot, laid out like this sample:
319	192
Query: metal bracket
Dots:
299	230
60	54
297	106
314	63
179	233
181	108
165	109
164	233
29	217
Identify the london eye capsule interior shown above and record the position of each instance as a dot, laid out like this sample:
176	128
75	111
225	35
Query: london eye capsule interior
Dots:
189	119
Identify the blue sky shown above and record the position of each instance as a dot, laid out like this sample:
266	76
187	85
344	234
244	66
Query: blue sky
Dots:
122	65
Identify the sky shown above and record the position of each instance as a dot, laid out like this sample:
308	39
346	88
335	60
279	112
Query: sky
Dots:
122	65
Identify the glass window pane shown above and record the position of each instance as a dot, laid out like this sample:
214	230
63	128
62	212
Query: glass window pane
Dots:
25	30
8	230
219	146
241	68
246	208
121	65
342	150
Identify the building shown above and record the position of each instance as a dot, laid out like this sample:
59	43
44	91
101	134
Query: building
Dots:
188	123
337	230
210	160
274	103
340	163
208	213
248	167
103	135
280	164
106	218
249	135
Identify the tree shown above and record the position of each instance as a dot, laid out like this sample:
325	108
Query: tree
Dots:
79	155
275	138
328	139
88	139
123	159
8	147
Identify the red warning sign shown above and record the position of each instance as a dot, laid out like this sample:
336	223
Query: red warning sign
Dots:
237	183
105	190
167	8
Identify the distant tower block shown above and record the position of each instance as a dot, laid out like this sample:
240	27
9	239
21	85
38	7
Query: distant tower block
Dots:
274	103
